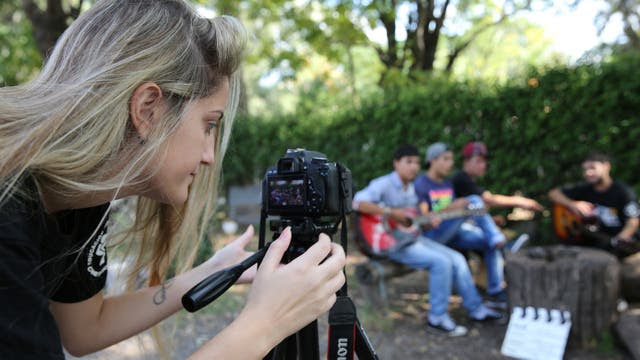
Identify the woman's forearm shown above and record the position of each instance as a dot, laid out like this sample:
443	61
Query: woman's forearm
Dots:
99	322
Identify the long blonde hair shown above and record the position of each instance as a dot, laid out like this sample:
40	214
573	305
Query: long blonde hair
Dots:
73	119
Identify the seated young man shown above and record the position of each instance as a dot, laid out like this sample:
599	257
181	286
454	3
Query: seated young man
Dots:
613	205
466	231
390	195
474	166
465	183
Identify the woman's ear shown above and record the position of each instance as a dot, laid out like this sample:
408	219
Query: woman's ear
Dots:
145	107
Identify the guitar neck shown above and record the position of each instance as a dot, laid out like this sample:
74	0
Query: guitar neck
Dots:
445	215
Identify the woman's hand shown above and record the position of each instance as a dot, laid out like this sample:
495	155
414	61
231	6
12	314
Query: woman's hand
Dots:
287	297
232	254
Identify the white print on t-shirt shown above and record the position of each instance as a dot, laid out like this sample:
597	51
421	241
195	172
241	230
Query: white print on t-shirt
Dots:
607	216
632	210
97	257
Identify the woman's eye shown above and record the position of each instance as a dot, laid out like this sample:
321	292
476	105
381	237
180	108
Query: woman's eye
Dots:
210	126
214	123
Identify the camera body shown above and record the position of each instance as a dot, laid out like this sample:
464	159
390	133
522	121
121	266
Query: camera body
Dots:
305	184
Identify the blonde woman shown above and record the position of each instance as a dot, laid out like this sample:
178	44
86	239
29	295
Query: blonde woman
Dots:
136	99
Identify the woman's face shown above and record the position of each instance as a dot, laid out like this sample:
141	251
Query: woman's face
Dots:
189	147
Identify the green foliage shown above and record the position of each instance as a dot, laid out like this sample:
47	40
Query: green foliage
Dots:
19	56
538	128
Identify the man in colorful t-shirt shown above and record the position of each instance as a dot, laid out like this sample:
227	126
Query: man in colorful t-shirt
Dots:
470	228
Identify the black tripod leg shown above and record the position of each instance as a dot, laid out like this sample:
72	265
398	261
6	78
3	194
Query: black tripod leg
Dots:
308	346
364	348
302	345
283	351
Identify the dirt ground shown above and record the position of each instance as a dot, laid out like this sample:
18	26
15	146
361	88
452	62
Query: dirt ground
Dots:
396	327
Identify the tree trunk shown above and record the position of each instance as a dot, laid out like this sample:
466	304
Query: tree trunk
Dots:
49	24
583	281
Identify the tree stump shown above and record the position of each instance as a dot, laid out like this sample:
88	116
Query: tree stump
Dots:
583	281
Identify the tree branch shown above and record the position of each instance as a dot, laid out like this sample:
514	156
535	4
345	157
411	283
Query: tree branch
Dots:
458	49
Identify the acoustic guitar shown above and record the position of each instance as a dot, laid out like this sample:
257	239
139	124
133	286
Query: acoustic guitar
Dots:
573	229
376	229
570	227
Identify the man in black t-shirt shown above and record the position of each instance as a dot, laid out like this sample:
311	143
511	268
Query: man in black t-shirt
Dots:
613	204
474	156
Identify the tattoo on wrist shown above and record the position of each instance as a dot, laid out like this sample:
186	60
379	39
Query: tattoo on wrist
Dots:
161	295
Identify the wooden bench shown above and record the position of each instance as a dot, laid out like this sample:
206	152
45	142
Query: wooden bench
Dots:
378	271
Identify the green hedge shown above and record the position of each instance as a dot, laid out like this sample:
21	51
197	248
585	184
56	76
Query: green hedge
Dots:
538	128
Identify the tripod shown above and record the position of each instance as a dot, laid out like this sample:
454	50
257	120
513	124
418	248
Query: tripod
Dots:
304	345
346	335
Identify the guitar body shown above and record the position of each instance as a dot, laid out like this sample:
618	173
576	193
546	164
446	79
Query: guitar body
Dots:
572	228
566	224
375	230
377	241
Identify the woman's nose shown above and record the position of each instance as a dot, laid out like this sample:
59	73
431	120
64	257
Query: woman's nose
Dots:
209	152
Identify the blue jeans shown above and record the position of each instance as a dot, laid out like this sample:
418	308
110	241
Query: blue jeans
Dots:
446	267
480	233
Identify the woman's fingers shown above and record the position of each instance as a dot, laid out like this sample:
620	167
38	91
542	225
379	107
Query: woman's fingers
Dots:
333	264
335	283
273	257
317	252
295	293
336	260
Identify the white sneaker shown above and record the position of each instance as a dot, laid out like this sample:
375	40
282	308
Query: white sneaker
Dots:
443	324
483	313
622	305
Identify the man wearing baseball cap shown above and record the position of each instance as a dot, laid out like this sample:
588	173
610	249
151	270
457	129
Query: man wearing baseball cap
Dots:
471	230
474	166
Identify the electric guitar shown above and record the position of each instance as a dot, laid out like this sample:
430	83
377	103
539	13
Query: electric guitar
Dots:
376	230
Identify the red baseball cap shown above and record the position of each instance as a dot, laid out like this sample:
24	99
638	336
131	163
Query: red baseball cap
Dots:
474	148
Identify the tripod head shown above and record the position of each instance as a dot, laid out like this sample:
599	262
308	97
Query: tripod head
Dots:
304	233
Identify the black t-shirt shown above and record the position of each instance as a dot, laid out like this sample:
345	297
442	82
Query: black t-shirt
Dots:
464	185
613	206
44	257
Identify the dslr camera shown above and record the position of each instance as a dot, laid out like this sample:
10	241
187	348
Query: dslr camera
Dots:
309	193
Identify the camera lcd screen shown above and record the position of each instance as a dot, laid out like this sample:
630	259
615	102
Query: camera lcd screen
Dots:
286	192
